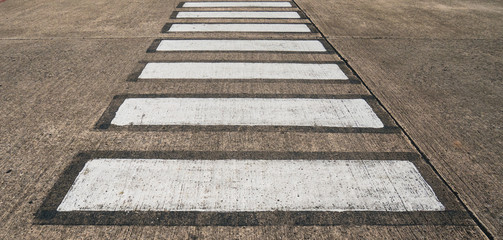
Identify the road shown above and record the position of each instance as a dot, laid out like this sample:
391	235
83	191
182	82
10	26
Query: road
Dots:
253	120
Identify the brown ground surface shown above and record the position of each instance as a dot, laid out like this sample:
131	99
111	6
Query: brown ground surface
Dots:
436	66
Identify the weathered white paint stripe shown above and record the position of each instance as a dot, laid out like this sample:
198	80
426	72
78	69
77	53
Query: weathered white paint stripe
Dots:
237	27
242	45
237	4
237	15
249	185
242	70
247	112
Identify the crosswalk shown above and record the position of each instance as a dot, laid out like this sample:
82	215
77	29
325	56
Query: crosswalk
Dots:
242	70
237	14
247	111
249	183
241	45
240	27
236	4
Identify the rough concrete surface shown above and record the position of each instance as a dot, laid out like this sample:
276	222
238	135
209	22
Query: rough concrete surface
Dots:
435	65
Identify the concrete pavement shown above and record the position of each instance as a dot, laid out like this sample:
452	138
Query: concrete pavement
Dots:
435	66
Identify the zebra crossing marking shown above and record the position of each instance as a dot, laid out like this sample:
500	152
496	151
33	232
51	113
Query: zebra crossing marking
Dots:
241	45
367	168
249	185
239	14
366	102
235	4
242	70
354	113
239	27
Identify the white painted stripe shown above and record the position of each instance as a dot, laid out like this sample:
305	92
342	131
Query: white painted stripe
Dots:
242	70
237	15
247	112
237	4
236	27
249	185
242	45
